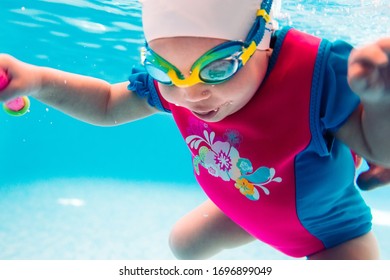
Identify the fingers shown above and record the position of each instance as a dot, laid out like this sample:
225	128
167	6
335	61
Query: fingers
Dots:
373	54
5	61
384	44
21	78
368	69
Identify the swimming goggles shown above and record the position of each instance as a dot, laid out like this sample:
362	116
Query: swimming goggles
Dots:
214	67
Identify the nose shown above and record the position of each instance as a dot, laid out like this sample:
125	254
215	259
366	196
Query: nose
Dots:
196	93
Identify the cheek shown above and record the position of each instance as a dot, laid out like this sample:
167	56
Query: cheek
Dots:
169	93
254	72
244	84
241	88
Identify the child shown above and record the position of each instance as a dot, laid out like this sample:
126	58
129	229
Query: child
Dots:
270	122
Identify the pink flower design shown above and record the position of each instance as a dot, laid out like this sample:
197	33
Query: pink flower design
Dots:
222	159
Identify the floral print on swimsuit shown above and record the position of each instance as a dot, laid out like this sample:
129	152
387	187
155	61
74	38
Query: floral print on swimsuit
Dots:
221	158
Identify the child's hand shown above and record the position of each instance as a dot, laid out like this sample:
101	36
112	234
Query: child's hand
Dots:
24	79
369	71
375	177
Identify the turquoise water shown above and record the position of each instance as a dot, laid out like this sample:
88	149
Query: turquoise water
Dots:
69	190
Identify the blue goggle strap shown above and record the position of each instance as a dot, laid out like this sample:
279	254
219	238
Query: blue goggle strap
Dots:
257	31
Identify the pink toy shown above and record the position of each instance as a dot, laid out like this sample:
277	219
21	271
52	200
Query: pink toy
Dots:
18	106
3	79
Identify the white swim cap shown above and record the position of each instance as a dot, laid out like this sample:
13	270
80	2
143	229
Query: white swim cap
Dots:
222	19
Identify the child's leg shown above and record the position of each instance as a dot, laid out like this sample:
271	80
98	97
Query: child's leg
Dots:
362	248
204	232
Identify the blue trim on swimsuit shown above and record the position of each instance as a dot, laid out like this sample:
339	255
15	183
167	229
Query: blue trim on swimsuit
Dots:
143	85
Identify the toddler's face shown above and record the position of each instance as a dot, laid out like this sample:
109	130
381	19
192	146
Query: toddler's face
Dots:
211	103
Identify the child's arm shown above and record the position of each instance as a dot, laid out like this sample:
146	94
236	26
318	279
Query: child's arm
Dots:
367	131
85	98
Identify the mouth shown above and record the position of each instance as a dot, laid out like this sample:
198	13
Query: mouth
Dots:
206	115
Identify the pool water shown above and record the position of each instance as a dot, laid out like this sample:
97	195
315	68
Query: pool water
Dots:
69	190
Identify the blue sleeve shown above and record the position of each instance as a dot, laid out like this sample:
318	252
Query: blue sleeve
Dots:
333	101
338	100
143	85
